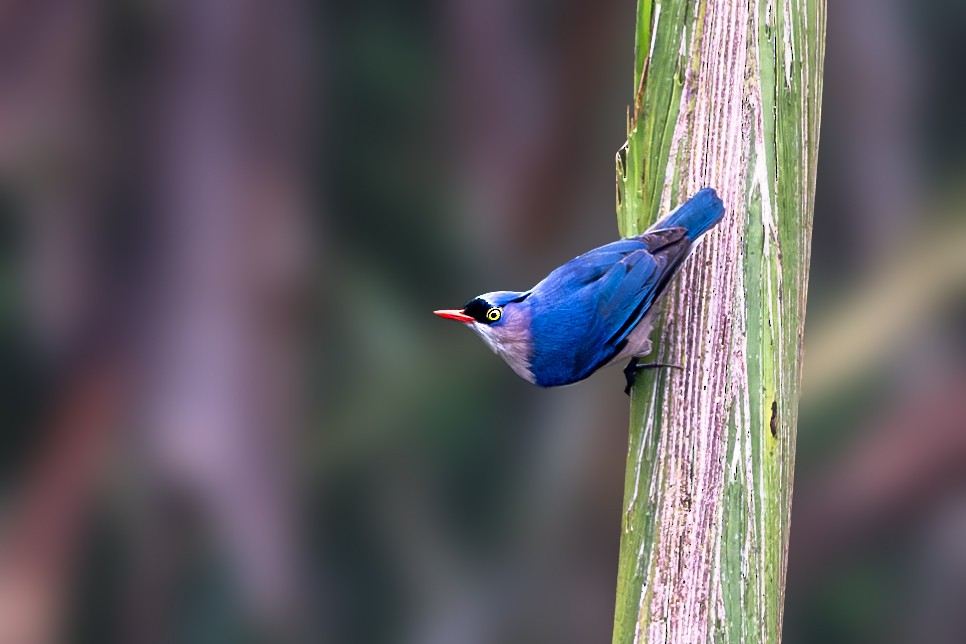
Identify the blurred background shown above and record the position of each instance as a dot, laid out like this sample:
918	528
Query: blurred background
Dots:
228	414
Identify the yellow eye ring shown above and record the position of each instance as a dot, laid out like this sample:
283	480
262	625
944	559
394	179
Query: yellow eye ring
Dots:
494	314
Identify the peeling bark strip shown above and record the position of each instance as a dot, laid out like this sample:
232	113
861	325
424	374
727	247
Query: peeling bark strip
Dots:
727	93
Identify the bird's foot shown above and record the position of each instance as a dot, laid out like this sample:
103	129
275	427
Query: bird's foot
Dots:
635	366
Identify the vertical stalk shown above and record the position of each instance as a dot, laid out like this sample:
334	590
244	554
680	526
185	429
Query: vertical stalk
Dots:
727	93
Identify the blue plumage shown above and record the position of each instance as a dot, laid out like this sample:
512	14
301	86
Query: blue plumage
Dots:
697	215
595	309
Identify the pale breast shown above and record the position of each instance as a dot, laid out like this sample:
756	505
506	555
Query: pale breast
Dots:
511	341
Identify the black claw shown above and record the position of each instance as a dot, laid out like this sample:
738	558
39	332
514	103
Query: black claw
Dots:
630	374
635	366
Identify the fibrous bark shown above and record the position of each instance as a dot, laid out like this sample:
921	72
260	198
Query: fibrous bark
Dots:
728	95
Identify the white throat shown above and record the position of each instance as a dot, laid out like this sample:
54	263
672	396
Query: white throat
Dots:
510	344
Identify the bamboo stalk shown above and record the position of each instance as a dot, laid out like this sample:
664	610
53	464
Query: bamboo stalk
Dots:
728	95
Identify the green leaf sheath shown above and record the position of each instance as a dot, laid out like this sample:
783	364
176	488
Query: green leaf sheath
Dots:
727	94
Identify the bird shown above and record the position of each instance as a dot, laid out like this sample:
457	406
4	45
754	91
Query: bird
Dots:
597	309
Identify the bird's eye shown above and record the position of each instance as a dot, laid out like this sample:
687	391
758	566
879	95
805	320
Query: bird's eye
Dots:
494	314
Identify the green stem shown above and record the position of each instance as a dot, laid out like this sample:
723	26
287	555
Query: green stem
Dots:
728	95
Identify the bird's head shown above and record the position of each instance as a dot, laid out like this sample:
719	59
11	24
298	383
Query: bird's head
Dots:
502	319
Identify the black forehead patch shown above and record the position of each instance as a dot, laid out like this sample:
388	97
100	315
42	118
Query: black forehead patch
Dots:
477	309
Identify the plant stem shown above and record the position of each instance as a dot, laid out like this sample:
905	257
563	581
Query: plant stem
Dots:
728	95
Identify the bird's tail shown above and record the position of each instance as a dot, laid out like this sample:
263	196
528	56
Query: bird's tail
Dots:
697	215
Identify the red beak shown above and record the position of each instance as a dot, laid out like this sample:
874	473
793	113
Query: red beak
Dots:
453	314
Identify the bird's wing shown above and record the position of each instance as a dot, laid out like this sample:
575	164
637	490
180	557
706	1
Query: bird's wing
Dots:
626	291
587	307
592	265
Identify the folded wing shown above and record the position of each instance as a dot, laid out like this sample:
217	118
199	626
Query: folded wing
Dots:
597	300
